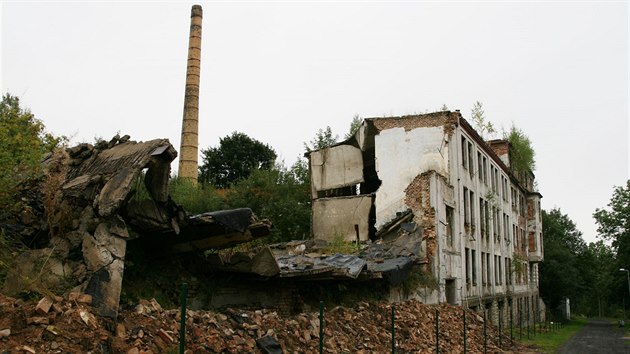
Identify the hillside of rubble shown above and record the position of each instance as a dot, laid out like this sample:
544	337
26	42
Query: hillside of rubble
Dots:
68	325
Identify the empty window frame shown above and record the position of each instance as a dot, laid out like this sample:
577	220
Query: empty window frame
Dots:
483	269
470	160
466	207
467	265
464	153
449	226
473	259
488	269
471	203
479	167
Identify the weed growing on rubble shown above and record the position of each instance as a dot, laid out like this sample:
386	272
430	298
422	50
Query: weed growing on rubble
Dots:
339	245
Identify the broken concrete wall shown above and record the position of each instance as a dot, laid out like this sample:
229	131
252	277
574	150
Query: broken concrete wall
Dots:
338	216
84	196
336	167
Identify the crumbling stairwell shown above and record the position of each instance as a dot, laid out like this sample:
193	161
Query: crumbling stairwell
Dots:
84	194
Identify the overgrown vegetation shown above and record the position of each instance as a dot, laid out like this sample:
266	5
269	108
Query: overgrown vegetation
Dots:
483	126
339	245
522	155
23	143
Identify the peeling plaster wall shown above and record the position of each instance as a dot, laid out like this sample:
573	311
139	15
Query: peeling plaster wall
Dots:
401	156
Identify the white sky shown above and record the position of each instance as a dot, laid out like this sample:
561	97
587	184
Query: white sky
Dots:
279	71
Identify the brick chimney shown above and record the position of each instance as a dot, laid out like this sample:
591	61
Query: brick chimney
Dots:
188	168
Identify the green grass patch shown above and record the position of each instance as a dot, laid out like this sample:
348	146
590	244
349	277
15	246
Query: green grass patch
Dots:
551	341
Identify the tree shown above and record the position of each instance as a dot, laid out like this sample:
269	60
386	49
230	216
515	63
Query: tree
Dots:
354	126
522	155
282	195
614	224
234	159
482	126
324	138
563	244
23	143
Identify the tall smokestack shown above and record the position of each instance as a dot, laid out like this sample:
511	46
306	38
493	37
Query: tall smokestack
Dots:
188	148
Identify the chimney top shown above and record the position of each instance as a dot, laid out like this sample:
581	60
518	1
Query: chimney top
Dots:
196	11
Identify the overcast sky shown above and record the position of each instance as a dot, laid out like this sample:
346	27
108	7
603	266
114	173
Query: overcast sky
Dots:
279	71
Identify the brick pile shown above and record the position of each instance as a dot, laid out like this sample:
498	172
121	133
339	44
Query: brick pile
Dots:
59	325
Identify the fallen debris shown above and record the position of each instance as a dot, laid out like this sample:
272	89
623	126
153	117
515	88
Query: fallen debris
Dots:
364	328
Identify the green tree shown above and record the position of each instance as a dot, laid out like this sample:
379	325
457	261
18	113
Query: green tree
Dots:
482	125
522	155
560	276
596	265
613	225
614	221
234	159
23	143
354	126
282	195
324	138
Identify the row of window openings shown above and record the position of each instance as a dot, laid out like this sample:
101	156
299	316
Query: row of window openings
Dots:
500	228
482	174
487	213
502	270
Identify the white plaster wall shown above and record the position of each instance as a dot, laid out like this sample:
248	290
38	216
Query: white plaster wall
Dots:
400	157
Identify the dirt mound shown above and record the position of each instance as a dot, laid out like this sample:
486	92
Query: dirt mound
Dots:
61	325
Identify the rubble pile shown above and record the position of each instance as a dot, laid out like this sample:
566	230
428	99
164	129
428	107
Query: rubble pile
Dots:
60	325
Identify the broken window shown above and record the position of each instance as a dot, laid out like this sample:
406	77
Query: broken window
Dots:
508	273
467	265
482	217
470	160
485	170
473	258
472	209
466	207
464	153
488	269
479	167
484	279
487	221
449	226
532	241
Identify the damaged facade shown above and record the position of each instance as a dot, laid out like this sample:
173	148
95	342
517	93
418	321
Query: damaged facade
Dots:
479	223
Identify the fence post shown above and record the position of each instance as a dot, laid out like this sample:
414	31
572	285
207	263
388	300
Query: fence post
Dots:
528	320
321	327
437	331
511	322
182	323
393	331
464	309
500	327
485	333
520	322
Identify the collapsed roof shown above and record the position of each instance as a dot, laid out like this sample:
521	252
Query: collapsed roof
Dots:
91	201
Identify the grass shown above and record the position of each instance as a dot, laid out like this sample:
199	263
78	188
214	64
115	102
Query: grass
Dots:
550	342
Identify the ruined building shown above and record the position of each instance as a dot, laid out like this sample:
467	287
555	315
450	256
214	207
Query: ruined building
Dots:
432	176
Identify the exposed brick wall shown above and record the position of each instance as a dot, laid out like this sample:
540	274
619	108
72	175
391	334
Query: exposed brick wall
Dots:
418	121
417	198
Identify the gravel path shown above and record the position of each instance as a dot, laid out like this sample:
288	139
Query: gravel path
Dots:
597	336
